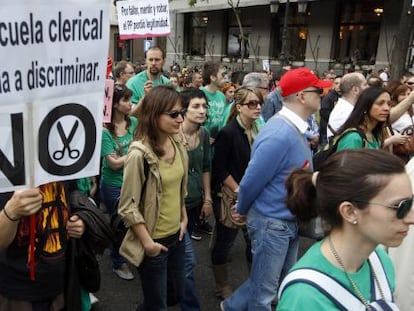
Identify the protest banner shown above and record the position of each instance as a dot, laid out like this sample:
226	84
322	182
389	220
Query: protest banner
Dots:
143	18
52	82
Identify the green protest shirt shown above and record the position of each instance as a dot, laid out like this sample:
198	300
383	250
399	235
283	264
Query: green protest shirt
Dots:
136	85
216	112
110	145
353	140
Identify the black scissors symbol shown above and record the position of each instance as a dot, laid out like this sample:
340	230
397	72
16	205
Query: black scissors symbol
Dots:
73	153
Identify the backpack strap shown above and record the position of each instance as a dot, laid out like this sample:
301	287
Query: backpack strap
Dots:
332	289
335	291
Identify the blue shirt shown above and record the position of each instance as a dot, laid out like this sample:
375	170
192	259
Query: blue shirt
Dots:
278	149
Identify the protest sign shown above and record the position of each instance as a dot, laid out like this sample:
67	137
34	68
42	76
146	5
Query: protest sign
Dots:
143	18
52	81
109	92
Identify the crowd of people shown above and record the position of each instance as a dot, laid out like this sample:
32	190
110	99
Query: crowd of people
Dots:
197	151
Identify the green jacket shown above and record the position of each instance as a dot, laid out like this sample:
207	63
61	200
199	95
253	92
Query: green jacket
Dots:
131	208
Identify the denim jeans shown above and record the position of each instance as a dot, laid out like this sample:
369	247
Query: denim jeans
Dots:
110	196
156	272
190	300
274	247
225	238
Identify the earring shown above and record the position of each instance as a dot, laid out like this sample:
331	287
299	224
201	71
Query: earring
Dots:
354	222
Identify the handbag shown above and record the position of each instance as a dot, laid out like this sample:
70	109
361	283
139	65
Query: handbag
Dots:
408	147
228	199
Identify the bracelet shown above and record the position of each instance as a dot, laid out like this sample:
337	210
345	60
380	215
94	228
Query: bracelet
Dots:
7	215
208	201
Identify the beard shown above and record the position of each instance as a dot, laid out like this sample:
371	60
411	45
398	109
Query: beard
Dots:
154	71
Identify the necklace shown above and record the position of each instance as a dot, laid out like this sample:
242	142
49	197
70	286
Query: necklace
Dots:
191	140
353	284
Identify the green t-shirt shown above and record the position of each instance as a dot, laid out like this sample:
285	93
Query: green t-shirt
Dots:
198	163
136	85
304	297
217	104
353	140
110	145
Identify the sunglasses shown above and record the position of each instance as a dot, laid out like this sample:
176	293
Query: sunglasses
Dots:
119	87
317	91
252	104
176	113
410	83
403	207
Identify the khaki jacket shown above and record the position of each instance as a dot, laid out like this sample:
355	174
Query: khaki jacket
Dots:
131	208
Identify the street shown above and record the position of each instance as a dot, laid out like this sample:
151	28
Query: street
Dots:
119	295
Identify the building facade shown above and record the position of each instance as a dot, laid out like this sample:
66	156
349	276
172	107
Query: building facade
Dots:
321	34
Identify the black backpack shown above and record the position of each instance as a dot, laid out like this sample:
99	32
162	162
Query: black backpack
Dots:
330	148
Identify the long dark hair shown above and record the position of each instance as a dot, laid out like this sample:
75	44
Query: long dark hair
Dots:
120	92
348	175
361	109
160	99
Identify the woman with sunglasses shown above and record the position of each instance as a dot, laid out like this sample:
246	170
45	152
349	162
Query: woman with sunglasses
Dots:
152	201
369	118
231	156
364	198
116	137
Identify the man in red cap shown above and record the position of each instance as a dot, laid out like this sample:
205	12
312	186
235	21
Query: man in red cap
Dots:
279	148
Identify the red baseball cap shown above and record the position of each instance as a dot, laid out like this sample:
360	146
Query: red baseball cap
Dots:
296	80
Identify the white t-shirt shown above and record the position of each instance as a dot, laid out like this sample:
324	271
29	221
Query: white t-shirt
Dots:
339	115
403	122
384	76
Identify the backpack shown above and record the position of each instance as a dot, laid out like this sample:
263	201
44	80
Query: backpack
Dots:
341	296
331	147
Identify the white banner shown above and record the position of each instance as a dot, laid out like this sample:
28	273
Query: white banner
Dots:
143	18
55	55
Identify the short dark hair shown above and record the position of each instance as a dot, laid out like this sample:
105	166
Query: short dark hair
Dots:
189	93
120	68
210	68
153	48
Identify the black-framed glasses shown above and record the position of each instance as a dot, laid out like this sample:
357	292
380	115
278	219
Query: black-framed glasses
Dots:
174	114
252	104
410	83
317	91
403	207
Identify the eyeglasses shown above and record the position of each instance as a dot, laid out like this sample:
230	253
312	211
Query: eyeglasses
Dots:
318	91
176	113
252	104
262	88
403	207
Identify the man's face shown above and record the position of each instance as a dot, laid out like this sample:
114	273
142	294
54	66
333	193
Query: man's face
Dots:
220	77
336	85
154	62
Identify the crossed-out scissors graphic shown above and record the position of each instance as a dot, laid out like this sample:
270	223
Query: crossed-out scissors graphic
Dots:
73	153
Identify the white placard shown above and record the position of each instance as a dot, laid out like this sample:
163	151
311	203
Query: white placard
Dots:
56	54
143	18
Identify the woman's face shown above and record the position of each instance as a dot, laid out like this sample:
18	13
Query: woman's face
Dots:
379	224
196	111
169	121
403	96
123	106
250	109
230	94
380	110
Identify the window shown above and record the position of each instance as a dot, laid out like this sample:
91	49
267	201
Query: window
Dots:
123	49
196	27
358	32
296	33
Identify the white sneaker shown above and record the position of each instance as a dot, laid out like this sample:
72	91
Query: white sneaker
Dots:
124	273
93	298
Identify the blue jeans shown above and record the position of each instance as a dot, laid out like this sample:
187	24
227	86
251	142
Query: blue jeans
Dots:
190	300
274	247
225	238
156	272
110	196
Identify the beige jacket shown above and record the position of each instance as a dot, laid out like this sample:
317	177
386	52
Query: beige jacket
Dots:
131	208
